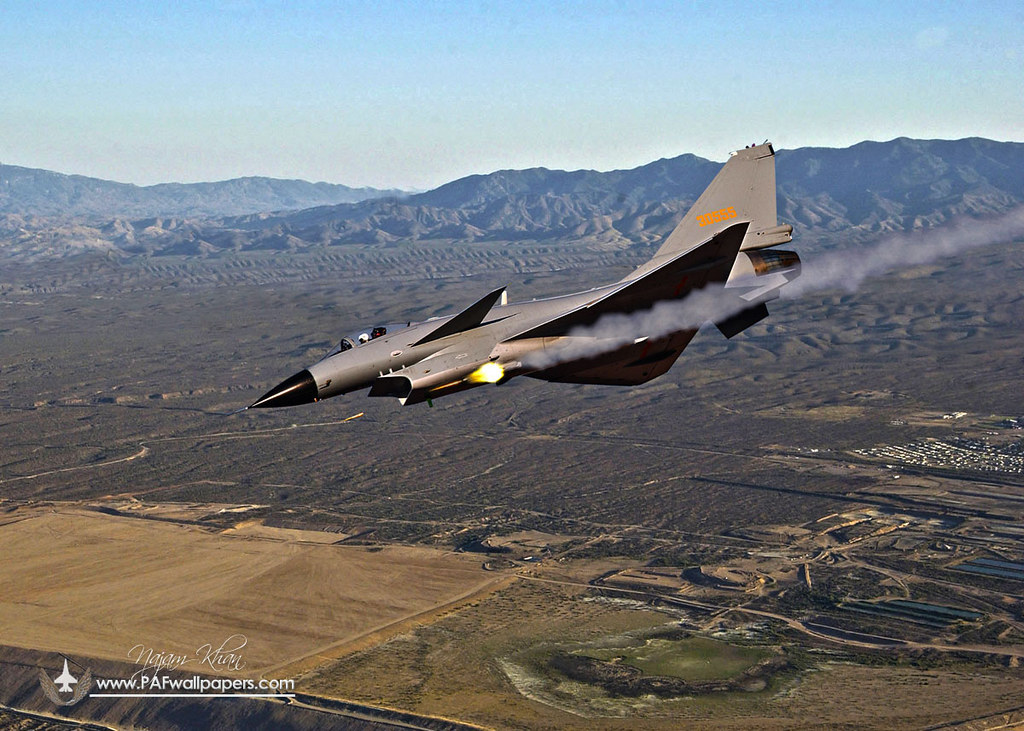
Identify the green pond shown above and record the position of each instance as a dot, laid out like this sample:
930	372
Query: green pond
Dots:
693	659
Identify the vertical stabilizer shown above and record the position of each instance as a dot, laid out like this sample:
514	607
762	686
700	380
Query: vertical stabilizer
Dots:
743	190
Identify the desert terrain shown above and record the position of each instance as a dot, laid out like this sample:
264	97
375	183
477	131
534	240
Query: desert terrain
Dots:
815	523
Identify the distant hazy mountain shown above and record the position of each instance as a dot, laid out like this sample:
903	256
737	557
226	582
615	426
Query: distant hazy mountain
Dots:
904	184
829	195
26	191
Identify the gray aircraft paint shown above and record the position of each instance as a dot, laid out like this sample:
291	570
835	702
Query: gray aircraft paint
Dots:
715	248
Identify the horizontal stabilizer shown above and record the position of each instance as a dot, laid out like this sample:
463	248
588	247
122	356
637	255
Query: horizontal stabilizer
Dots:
742	320
469	318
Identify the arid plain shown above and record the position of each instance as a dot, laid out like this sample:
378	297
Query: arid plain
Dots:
720	547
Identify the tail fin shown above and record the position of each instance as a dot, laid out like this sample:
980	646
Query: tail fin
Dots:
743	190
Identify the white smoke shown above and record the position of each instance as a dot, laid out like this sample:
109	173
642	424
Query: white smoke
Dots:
849	269
838	269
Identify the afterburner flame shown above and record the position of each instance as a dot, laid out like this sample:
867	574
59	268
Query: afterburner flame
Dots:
487	373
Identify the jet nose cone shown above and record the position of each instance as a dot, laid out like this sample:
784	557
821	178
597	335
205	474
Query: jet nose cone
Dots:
299	389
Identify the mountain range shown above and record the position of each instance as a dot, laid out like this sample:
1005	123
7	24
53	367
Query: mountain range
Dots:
828	194
31	192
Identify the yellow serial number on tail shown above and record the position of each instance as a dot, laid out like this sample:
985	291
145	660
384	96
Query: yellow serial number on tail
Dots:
723	214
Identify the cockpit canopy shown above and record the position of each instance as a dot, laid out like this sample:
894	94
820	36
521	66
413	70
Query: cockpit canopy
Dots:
354	340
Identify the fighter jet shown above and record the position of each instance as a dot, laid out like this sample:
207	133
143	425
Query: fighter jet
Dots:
65	680
720	245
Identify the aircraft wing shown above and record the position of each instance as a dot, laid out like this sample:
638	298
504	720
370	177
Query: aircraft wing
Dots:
629	365
710	261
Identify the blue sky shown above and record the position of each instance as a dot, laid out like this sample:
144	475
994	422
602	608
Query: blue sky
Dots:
412	95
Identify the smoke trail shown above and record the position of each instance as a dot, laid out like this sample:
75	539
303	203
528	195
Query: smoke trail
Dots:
839	269
849	269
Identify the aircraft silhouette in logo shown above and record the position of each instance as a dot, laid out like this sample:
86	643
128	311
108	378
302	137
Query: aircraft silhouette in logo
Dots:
65	680
62	684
